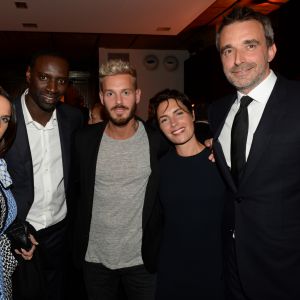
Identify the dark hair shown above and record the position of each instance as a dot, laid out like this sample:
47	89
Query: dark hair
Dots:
46	52
9	135
240	14
167	94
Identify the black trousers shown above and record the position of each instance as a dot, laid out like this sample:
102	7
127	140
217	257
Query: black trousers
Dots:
42	278
234	288
103	283
53	249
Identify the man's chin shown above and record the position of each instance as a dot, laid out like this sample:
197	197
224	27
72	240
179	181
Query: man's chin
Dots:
49	107
120	122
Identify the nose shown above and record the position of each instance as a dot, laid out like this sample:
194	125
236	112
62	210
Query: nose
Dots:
238	57
52	86
119	98
173	122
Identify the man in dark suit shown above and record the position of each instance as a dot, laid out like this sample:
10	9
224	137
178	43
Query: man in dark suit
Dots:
264	256
116	179
39	161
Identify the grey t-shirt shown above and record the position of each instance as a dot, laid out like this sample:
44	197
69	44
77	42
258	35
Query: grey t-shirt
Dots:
122	173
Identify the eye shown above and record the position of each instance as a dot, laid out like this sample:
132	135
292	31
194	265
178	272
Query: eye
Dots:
163	120
43	77
108	94
226	51
62	81
251	46
179	112
127	92
5	119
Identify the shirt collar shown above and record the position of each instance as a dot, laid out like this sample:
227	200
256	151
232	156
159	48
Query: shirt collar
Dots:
27	116
262	92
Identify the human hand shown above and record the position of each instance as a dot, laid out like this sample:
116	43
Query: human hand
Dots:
209	143
27	255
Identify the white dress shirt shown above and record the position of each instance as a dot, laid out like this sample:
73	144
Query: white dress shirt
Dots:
49	205
260	96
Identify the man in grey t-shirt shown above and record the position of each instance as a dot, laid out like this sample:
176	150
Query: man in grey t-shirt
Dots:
118	179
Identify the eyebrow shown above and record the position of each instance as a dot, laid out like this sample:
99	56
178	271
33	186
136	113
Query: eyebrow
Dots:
246	42
174	112
253	41
5	116
49	75
122	90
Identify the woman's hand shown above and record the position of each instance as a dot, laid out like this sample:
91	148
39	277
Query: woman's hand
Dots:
209	143
27	255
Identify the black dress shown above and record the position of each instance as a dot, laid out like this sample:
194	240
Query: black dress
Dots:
192	195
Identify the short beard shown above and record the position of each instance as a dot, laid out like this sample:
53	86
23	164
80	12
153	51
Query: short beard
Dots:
246	86
122	121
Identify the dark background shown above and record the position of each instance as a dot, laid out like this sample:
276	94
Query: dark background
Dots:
204	80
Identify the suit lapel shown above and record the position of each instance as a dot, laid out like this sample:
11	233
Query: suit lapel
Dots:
65	142
263	134
220	159
91	144
218	151
228	103
21	142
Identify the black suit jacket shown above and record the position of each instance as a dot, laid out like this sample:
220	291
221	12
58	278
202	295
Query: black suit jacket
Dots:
267	203
19	159
87	143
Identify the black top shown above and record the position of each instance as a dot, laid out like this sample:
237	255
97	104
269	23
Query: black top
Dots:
192	195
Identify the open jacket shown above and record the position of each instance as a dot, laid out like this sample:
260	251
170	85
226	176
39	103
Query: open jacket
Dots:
19	160
87	143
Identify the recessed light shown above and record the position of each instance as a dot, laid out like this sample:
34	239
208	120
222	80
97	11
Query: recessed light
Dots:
29	25
22	5
163	28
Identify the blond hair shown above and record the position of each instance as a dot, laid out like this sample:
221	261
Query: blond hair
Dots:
116	67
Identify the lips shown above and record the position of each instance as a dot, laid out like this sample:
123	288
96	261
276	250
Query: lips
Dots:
119	110
51	99
178	131
242	69
241	72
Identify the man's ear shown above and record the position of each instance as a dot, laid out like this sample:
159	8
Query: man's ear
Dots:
28	74
138	94
101	97
272	52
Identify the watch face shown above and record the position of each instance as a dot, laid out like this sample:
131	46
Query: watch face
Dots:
171	63
151	62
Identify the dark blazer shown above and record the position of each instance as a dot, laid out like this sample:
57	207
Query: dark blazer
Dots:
87	143
267	203
19	159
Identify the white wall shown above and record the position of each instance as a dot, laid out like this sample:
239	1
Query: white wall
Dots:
152	81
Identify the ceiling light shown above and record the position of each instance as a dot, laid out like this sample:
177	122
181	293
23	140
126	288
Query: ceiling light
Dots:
22	5
29	25
163	28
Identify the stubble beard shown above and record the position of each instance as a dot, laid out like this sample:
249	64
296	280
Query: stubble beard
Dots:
122	121
248	84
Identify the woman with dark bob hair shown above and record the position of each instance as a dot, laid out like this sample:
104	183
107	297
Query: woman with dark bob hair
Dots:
8	209
192	196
